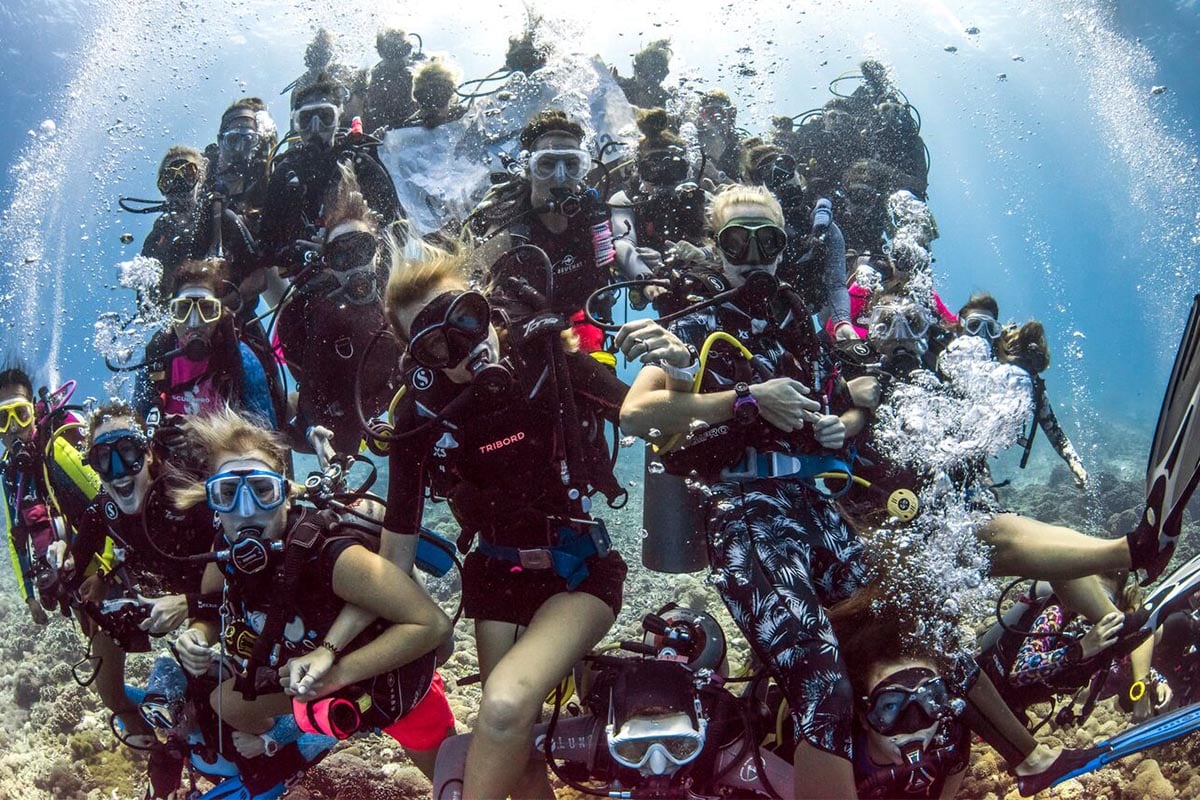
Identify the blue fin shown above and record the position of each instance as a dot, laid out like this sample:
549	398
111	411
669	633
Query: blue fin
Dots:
1150	733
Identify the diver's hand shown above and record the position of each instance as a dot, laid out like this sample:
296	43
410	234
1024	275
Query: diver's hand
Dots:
830	431
171	432
1079	473
865	391
166	613
685	252
650	257
302	677
37	612
59	557
249	745
647	341
321	440
194	653
784	403
1102	635
93	589
845	331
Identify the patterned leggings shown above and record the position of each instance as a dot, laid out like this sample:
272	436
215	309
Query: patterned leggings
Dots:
779	552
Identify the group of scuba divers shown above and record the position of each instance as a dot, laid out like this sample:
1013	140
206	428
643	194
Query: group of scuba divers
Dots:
481	364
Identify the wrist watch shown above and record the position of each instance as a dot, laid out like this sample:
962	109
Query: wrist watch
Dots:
745	407
687	373
270	746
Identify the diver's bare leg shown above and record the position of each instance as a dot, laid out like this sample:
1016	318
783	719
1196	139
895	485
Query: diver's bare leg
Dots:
1027	547
566	627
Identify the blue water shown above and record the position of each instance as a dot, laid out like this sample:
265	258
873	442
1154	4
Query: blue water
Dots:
1066	188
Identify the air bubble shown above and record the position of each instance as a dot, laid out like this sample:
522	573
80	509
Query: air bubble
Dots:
628	441
655	468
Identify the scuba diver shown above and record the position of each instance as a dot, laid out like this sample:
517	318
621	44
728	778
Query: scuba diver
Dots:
550	209
176	234
651	65
769	534
502	416
390	92
325	325
200	365
915	706
46	484
288	573
1026	347
814	261
523	54
435	90
320	65
662	208
235	194
860	203
1019	545
147	588
1041	649
716	128
301	178
910	739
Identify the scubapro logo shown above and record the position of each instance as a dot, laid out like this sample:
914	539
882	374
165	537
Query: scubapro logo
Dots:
110	510
422	378
507	440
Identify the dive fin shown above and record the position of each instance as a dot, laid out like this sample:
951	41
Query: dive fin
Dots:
1174	465
1150	733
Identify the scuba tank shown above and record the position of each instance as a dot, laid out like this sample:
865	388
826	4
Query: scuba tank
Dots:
674	541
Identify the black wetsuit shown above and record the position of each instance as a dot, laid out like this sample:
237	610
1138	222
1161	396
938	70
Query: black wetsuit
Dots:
294	208
499	461
309	614
572	255
779	549
323	340
148	567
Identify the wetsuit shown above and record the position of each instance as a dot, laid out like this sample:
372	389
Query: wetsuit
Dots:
294	208
310	611
148	566
816	268
323	339
778	548
501	461
34	490
231	374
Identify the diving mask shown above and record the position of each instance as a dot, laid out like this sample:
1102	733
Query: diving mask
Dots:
449	329
775	172
245	491
239	143
751	241
908	701
206	309
561	166
317	121
897	321
178	177
664	167
117	453
651	743
350	258
16	412
980	324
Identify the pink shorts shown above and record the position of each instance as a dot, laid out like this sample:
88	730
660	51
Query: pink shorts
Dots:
426	726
